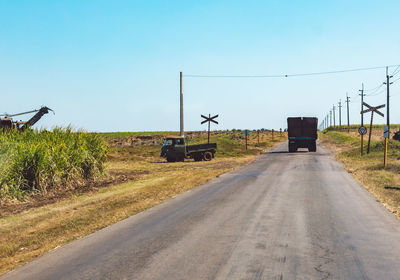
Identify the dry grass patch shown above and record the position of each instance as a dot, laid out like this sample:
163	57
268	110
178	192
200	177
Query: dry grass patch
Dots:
369	170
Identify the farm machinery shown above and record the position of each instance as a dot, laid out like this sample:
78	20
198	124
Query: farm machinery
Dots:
6	121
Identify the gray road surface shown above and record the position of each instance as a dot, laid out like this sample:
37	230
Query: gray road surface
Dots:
285	216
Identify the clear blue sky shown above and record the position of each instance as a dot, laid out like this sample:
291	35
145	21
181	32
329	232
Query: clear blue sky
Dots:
114	65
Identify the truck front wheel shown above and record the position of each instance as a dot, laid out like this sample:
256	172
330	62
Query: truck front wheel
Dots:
171	159
207	156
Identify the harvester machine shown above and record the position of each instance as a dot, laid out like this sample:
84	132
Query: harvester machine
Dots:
8	123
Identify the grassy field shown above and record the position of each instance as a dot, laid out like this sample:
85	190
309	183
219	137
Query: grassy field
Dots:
383	183
135	179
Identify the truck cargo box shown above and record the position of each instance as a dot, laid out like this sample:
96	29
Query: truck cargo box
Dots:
302	133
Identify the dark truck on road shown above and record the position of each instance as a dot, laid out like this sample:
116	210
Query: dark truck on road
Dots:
175	149
302	133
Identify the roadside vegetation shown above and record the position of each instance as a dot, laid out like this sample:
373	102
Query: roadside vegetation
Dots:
383	183
38	161
135	178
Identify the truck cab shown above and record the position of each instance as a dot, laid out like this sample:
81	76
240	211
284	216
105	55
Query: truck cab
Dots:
174	149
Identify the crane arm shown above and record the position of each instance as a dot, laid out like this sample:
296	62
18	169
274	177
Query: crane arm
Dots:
42	111
13	115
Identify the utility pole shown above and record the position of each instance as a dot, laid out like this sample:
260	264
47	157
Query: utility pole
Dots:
362	105
334	122
348	115
362	117
388	83
340	114
327	120
330	117
181	106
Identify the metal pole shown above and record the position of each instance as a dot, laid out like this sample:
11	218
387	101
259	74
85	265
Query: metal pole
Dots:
334	122
181	107
370	130
387	99
209	116
362	105
385	155
245	135
362	144
340	114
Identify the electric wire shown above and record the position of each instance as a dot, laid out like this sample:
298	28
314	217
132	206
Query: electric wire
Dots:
289	75
373	89
396	71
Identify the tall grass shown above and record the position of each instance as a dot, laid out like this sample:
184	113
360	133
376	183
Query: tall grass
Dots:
39	160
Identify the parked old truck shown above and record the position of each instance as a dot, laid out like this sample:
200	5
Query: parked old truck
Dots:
175	149
302	133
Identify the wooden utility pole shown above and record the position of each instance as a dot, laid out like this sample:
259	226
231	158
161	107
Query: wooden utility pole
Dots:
272	134
348	115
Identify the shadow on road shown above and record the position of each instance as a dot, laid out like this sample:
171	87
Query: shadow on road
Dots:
286	152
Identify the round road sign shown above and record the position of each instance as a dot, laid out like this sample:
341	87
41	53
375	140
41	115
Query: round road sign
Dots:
362	130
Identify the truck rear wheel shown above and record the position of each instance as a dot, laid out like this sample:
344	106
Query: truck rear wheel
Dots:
207	156
292	148
312	147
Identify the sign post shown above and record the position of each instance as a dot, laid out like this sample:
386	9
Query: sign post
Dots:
372	110
209	119
386	136
362	130
246	134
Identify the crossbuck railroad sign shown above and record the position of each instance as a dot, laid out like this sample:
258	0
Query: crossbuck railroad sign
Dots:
209	119
372	110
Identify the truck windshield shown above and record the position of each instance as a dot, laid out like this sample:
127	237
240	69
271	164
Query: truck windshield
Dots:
168	142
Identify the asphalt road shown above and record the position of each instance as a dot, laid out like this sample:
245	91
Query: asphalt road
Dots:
285	216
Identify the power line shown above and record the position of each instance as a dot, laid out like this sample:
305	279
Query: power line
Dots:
396	71
375	88
396	80
290	75
377	93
